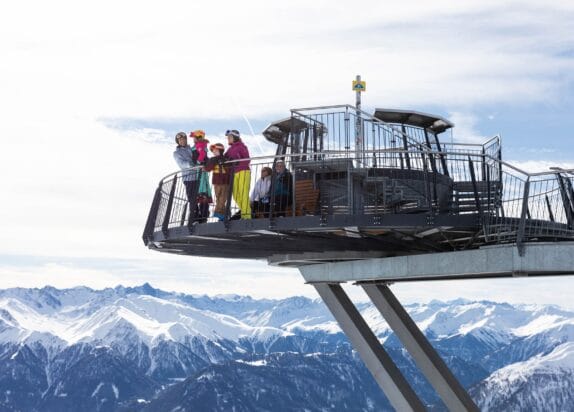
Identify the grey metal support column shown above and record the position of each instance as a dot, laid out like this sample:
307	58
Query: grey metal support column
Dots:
406	146
427	359
379	363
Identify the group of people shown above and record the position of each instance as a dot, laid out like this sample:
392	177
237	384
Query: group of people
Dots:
229	168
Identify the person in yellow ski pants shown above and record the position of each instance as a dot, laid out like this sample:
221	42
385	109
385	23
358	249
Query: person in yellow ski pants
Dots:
241	172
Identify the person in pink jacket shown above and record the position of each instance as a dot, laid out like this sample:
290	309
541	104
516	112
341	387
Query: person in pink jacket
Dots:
200	144
241	172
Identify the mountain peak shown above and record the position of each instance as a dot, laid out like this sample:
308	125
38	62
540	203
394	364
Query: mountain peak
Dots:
145	289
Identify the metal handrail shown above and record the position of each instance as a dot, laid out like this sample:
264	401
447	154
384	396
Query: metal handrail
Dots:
397	151
370	117
505	197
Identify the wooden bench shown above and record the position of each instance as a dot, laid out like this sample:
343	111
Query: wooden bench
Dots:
306	198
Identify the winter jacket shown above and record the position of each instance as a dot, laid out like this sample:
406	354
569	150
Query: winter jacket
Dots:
204	186
283	184
186	157
201	147
219	172
261	190
236	151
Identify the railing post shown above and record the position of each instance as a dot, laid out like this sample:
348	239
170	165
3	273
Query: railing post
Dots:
483	164
152	216
442	157
566	202
550	214
429	195
406	147
500	164
347	120
183	214
167	216
475	187
272	197
431	157
229	198
522	223
293	192
350	191
570	192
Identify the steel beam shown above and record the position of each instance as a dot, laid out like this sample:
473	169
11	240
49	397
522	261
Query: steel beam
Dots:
379	363
427	359
540	259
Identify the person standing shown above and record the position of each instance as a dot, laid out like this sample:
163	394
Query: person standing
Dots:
186	158
204	198
239	155
219	179
200	145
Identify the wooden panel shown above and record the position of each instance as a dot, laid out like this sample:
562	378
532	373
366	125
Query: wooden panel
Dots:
306	198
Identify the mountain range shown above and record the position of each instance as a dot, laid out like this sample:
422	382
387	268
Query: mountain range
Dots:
144	349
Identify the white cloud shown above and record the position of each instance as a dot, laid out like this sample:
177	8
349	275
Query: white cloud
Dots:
466	128
181	59
72	187
539	290
168	272
539	166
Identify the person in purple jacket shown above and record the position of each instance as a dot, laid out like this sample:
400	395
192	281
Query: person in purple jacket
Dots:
241	172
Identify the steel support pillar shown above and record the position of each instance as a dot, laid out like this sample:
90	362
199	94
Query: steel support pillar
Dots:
379	363
427	359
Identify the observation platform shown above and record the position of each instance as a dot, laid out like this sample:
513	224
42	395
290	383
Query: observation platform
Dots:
363	186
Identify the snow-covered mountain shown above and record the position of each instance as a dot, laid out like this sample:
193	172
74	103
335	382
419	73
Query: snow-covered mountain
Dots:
143	349
544	379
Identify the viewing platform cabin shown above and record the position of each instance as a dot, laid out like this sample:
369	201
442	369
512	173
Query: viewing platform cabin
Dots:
371	185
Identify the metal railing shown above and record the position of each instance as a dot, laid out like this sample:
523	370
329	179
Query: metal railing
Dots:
511	205
343	161
343	128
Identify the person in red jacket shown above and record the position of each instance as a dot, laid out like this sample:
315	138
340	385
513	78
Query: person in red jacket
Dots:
219	179
239	155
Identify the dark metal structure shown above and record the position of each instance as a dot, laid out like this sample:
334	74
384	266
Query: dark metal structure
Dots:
374	188
362	184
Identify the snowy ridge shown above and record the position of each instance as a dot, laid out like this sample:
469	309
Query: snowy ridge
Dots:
82	348
84	315
152	318
544	380
562	357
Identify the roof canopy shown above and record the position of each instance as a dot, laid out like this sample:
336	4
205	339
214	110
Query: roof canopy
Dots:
434	123
277	131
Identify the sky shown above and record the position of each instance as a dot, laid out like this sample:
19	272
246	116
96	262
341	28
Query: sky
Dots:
92	95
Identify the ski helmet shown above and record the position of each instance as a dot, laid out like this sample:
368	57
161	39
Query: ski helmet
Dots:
218	146
180	135
197	134
234	133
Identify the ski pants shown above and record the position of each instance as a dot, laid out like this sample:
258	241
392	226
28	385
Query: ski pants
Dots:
241	186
